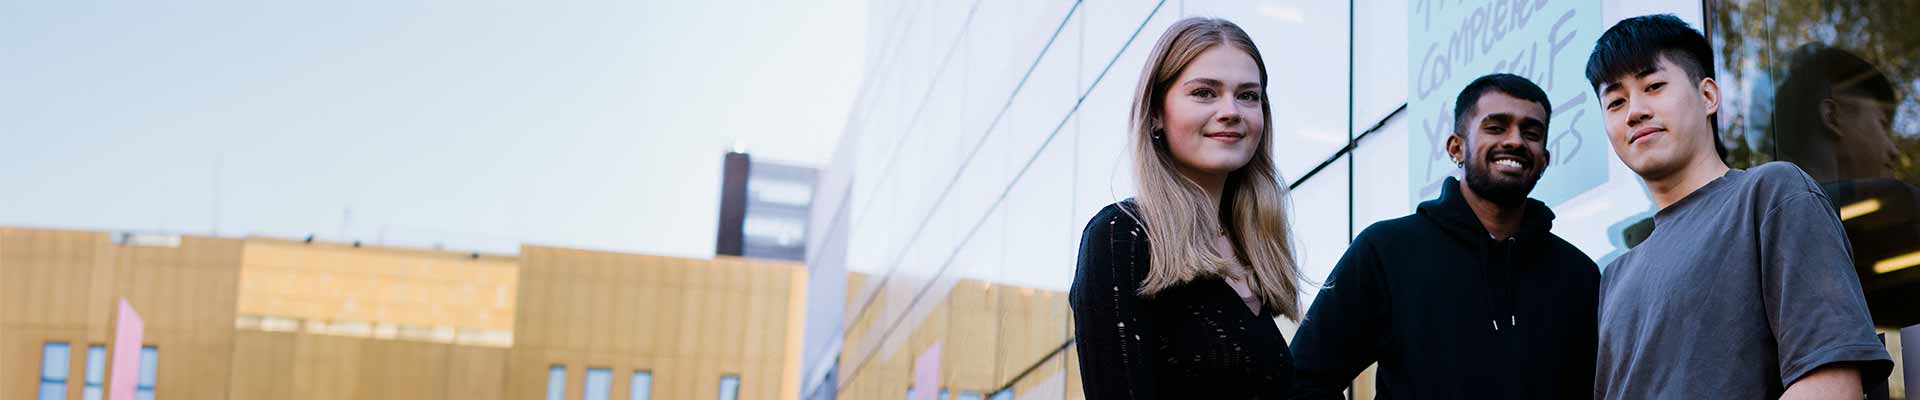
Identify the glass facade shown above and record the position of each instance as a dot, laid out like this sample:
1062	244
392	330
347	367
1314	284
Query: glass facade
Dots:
985	138
1830	87
988	133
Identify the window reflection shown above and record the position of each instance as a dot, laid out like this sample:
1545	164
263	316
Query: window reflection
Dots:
1829	87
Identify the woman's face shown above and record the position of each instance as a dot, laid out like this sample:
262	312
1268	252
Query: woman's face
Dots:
1212	113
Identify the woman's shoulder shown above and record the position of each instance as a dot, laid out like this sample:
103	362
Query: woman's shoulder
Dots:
1113	248
1123	215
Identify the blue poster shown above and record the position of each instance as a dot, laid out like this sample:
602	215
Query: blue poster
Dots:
1452	42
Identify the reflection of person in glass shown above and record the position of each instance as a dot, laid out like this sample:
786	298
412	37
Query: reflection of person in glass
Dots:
1834	118
1176	291
1472	296
1745	289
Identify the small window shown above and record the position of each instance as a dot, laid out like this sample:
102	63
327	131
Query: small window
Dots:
642	388
149	371
95	386
599	384
730	387
1006	394
557	382
53	370
944	395
969	395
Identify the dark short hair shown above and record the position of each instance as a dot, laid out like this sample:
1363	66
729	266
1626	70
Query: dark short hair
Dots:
1816	72
1839	71
1636	44
1512	85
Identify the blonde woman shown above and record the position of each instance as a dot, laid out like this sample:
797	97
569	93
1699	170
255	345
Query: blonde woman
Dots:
1176	289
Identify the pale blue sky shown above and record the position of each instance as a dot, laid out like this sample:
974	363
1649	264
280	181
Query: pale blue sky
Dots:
595	124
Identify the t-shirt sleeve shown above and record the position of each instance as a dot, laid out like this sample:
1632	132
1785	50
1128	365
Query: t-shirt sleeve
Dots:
1812	294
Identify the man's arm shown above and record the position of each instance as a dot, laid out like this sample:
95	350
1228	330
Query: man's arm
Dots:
1833	381
1341	333
1813	301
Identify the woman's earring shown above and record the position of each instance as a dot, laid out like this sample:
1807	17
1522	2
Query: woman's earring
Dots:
1156	134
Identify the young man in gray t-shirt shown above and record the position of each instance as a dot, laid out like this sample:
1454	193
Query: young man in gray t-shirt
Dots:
1746	287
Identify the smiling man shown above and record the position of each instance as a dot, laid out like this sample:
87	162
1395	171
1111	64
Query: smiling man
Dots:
1471	296
1746	289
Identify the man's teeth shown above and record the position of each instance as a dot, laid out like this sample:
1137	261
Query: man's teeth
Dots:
1510	163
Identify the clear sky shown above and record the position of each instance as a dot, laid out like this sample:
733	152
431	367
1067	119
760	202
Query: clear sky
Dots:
480	125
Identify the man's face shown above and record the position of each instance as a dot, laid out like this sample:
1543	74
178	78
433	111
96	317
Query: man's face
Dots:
1503	147
1863	130
1657	119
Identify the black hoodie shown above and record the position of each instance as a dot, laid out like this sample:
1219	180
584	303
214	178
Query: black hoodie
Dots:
1449	312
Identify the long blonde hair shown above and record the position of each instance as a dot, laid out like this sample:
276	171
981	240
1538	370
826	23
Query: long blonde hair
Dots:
1179	217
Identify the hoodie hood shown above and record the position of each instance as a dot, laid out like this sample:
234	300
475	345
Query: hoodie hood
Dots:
1452	213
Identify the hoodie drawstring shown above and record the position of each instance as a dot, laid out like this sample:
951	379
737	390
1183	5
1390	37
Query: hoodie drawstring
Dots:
1494	296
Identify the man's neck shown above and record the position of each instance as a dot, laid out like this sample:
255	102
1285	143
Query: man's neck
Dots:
1501	221
1677	185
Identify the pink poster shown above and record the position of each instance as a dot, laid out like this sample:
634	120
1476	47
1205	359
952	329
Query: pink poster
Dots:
127	331
926	374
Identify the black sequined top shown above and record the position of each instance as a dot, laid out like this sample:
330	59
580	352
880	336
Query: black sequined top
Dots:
1192	341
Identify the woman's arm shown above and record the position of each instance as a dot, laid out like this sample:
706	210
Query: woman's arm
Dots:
1109	324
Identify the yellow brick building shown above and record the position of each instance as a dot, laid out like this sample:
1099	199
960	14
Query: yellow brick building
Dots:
262	318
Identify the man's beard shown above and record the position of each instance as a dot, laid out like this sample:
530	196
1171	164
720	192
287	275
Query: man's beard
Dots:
1503	192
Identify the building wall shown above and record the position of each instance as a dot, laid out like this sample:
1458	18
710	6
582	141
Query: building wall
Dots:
989	335
292	365
63	286
688	321
385	292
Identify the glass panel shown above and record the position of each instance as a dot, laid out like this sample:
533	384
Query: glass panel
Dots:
730	387
53	390
149	373
149	366
557	383
96	365
53	371
1308	99
599	384
54	362
969	395
96	374
642	388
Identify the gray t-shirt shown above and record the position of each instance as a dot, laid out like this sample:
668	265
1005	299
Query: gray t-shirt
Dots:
1746	285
